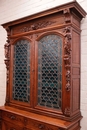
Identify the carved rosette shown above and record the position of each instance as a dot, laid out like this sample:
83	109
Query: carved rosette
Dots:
67	56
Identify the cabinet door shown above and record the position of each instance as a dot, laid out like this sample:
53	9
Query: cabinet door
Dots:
49	66
20	66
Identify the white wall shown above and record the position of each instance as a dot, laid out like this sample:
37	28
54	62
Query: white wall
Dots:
15	9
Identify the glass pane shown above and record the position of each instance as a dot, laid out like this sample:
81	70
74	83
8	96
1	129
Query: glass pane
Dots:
21	71
50	71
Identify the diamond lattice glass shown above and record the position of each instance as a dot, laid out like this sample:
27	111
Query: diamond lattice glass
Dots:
50	71
21	71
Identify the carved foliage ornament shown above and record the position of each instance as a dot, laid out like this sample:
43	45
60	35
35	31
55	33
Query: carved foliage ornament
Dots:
67	60
7	53
6	47
67	56
7	59
36	26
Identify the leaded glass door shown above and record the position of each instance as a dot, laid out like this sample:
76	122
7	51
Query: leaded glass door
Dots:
49	72
21	72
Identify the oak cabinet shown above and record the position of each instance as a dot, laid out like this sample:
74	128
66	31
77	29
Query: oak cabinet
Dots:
42	57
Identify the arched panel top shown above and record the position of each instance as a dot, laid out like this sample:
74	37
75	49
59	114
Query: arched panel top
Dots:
25	38
50	33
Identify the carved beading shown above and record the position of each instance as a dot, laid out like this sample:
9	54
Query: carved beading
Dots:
36	26
67	56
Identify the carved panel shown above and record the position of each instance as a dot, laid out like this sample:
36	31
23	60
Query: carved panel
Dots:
36	26
75	47
76	87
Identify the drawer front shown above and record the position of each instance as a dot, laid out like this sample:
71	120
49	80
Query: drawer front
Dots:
10	126
37	125
27	122
12	117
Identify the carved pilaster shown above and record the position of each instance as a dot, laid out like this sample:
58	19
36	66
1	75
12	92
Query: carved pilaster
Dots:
7	59
67	56
6	47
67	15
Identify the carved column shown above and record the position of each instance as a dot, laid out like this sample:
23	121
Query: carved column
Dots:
7	59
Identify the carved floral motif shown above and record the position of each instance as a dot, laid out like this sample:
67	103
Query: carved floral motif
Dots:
7	59
67	56
67	60
36	26
7	47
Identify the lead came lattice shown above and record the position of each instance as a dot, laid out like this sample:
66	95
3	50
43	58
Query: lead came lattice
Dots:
21	71
50	71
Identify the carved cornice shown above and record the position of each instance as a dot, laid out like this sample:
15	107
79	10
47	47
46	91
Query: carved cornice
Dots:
36	26
67	56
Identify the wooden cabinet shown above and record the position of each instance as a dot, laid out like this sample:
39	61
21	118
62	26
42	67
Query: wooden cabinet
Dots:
42	57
